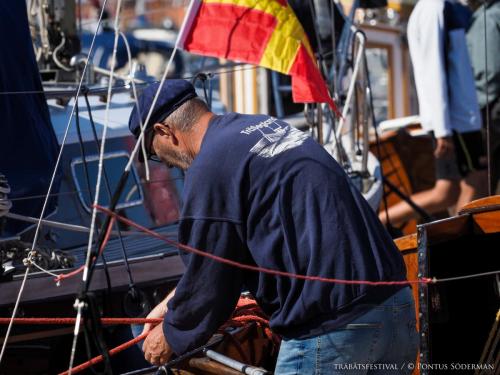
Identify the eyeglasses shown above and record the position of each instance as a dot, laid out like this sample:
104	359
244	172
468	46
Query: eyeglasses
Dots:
148	143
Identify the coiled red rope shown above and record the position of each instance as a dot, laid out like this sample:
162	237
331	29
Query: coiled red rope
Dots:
247	311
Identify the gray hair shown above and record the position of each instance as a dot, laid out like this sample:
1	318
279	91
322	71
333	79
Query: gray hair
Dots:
184	117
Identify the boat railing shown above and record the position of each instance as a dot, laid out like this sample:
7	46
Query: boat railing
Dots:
356	113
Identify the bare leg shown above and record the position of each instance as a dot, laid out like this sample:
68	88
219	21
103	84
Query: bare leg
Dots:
443	195
474	186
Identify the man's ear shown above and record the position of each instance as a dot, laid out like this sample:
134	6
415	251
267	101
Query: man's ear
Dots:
166	131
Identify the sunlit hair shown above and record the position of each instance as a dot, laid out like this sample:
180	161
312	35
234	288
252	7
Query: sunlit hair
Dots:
184	117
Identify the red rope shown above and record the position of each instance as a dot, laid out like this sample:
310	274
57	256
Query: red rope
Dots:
63	321
256	268
243	319
112	352
64	276
247	311
245	306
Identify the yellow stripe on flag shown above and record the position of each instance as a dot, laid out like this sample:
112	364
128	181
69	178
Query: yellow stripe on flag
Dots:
287	37
266	6
285	42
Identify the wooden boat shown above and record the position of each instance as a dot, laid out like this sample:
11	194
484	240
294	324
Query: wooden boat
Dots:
455	317
403	172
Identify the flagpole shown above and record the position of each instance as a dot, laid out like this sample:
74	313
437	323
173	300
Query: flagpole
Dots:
177	44
191	12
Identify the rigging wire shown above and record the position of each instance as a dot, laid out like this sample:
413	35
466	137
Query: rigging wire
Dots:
136	102
233	68
88	349
44	207
103	143
71	227
71	192
128	167
160	86
108	190
82	151
44	270
320	55
79	302
204	78
87	179
145	12
89	264
334	49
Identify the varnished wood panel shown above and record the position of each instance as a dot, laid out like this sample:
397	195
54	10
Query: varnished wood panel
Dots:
408	247
394	172
408	242
486	222
480	205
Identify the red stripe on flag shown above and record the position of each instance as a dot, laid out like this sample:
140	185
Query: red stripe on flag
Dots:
229	31
308	85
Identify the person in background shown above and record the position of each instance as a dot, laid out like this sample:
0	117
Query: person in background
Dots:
449	108
483	39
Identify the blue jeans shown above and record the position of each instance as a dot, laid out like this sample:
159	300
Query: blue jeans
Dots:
382	341
136	330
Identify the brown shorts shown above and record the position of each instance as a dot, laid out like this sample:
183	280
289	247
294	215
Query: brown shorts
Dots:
468	157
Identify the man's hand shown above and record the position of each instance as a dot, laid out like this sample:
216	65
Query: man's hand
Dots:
156	349
444	147
158	312
5	203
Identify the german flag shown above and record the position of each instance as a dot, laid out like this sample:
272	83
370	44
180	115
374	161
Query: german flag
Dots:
261	32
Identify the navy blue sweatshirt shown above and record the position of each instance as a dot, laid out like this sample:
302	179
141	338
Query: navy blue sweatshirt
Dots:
263	193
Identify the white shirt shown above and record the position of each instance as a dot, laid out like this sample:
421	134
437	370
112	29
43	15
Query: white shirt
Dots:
442	68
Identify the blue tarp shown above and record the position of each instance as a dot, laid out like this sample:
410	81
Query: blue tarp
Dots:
28	145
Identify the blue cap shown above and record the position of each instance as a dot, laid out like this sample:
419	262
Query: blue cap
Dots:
173	94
